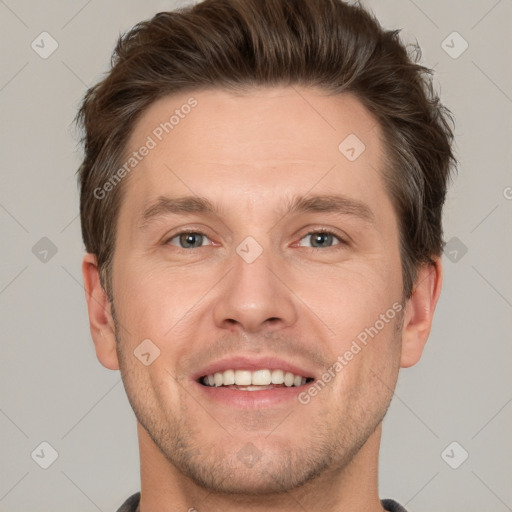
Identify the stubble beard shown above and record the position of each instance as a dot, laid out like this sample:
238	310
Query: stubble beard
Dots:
330	446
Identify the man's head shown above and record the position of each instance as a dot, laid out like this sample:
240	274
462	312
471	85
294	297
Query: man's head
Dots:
234	45
262	179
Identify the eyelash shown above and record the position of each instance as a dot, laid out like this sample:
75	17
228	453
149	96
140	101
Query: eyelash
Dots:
322	231
340	239
186	232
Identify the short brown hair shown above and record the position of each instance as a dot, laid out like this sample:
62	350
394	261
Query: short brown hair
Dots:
238	44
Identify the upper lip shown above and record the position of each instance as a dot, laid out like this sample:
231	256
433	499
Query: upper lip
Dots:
252	363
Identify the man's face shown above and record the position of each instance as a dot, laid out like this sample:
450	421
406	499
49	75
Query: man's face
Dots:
298	257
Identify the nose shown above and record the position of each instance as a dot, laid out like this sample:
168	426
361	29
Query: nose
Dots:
254	296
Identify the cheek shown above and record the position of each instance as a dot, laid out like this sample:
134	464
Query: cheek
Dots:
151	390
360	305
155	300
367	362
351	297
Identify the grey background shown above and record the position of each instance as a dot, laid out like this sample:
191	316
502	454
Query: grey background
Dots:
53	389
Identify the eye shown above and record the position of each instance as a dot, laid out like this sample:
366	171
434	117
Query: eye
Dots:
189	240
320	239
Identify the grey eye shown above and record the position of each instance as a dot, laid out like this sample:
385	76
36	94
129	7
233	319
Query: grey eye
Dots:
320	239
189	240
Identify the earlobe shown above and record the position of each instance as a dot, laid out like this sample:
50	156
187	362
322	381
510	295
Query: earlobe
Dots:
100	317
419	312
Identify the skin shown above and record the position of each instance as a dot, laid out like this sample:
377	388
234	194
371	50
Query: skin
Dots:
250	153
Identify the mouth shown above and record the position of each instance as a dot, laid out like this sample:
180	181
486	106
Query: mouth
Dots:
254	380
249	382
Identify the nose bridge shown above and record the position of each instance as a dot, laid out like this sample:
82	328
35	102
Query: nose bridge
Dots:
252	296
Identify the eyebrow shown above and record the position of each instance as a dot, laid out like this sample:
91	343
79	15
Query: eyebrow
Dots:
187	205
333	203
176	205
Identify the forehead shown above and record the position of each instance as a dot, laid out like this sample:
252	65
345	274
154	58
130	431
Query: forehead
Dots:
259	142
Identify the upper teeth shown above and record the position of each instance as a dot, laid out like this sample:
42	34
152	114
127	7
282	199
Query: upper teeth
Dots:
256	378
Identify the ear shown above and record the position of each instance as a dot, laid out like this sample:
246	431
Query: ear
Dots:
419	311
100	316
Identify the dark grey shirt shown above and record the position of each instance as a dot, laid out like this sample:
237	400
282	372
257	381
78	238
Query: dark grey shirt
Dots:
132	505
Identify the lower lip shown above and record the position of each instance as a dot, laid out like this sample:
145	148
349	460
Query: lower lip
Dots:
251	399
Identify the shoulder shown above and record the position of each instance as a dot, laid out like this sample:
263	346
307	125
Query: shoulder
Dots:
392	506
131	504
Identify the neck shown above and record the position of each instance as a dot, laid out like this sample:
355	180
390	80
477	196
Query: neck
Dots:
353	487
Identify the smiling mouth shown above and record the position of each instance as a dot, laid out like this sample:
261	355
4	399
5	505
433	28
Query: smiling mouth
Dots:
258	380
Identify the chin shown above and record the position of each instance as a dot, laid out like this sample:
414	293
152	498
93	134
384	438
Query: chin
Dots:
249	471
269	479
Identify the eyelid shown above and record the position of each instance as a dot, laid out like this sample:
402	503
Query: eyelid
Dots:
340	235
343	238
337	240
167	238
